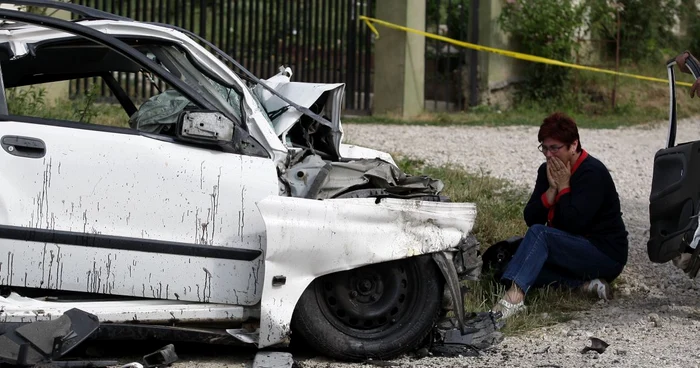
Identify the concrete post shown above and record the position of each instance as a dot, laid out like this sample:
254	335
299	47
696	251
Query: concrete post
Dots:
399	60
496	73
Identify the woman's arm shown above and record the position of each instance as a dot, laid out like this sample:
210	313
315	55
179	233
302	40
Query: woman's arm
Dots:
538	206
576	207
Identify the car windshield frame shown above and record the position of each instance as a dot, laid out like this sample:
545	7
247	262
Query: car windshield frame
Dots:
218	92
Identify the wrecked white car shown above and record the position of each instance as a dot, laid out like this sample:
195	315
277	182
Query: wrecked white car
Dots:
230	211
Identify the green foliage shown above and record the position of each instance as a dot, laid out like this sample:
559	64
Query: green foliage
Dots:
546	306
26	101
35	10
453	13
31	101
544	28
84	108
689	10
645	27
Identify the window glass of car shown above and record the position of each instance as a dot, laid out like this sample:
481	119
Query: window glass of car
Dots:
154	105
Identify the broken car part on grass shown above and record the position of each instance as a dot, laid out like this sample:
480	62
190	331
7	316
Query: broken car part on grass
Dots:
229	210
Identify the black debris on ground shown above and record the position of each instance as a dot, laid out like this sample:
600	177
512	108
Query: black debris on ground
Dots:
597	345
482	331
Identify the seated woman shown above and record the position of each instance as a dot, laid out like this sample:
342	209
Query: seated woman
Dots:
576	236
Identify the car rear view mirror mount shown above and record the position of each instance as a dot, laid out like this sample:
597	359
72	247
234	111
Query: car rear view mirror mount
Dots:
204	127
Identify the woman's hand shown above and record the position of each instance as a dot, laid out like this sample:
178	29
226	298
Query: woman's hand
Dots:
550	177
560	173
551	192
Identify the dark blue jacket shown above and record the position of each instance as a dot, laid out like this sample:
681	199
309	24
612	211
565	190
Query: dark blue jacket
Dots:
589	208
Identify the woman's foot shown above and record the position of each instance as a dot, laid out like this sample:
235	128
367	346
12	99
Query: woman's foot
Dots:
598	287
508	309
512	303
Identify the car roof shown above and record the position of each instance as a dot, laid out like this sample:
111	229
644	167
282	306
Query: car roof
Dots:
19	39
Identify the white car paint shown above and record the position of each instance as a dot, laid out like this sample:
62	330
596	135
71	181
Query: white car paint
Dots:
304	94
138	187
166	191
352	151
308	239
16	308
271	137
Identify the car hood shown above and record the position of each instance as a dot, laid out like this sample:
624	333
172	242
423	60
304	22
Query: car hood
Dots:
325	99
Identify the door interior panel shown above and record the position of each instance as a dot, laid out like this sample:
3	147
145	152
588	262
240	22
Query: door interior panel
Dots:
673	201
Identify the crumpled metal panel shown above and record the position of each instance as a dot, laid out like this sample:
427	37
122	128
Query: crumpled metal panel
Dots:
312	177
304	94
355	152
308	239
301	177
379	174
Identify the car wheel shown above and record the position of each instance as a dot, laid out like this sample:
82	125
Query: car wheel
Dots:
378	311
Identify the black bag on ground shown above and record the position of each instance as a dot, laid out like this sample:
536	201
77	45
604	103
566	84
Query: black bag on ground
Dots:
497	256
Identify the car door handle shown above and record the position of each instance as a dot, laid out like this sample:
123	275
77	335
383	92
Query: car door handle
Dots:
23	146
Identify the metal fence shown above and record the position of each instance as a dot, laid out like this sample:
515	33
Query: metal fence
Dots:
447	74
321	40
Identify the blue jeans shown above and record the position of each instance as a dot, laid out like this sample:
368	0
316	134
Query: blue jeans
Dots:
548	256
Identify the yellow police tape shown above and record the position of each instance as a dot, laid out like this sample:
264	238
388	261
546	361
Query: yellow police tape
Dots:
512	54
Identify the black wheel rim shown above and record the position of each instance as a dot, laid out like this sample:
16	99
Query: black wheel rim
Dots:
369	302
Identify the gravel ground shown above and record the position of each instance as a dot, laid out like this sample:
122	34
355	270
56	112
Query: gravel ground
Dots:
655	316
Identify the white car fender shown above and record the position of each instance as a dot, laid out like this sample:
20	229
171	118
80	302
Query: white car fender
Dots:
355	152
307	239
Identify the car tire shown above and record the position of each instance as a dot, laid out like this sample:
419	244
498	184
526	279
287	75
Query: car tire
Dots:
378	311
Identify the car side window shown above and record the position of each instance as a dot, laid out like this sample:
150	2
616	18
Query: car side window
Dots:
106	88
55	101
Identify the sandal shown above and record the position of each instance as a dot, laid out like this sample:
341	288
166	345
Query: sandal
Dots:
508	309
601	288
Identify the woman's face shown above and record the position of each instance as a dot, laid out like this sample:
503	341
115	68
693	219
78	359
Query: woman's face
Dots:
553	148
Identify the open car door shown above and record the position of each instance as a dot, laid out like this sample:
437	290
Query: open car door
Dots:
675	193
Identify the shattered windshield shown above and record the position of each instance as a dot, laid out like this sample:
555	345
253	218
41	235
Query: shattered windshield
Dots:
162	110
225	98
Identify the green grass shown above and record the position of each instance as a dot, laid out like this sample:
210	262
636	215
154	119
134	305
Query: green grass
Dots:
499	216
546	306
523	115
499	205
638	102
31	101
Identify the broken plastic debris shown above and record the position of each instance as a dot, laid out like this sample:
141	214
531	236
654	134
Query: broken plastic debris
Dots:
481	332
597	345
132	365
45	341
273	359
161	358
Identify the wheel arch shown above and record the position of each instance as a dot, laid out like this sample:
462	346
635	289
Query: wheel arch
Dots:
306	239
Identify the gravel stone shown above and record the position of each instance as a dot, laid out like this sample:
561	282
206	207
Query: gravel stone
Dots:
624	322
647	292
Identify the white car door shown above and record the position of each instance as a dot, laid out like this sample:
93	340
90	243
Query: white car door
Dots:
111	211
